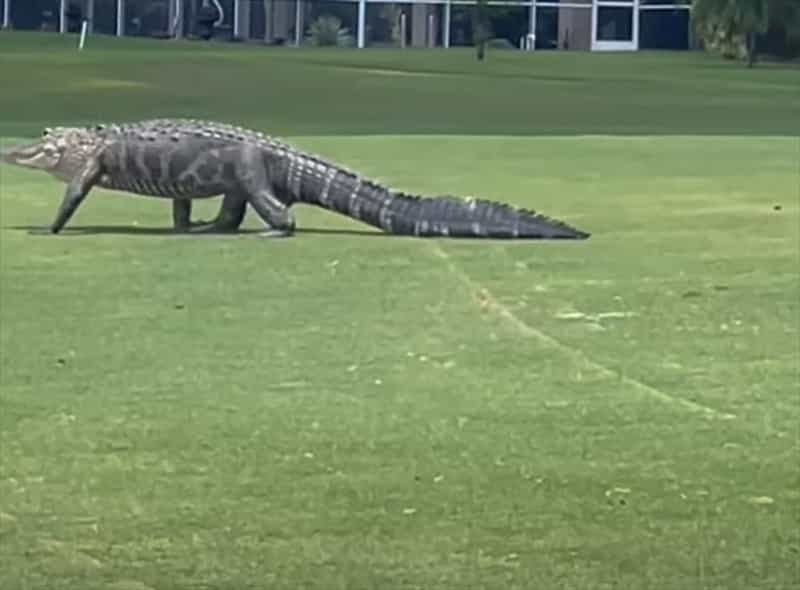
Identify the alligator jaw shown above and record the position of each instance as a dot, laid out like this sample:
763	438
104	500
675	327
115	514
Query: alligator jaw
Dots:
29	156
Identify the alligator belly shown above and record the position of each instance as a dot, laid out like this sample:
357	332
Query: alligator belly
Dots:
159	189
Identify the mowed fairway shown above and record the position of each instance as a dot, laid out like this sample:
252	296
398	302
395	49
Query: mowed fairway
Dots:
349	410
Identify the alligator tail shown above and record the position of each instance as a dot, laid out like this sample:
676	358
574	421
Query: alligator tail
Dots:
443	216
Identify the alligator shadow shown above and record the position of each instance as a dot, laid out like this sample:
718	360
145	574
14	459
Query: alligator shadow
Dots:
132	230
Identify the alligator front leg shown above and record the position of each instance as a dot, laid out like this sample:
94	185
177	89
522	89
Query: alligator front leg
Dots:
76	192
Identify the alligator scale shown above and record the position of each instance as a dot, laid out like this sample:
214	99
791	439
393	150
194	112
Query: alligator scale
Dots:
183	159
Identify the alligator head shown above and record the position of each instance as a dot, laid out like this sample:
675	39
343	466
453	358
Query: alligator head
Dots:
61	152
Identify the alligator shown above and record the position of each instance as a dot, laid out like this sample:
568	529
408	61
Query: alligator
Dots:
185	159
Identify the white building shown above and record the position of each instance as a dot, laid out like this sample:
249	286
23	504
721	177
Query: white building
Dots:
596	25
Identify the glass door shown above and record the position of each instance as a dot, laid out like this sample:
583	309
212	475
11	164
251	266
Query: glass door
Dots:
616	26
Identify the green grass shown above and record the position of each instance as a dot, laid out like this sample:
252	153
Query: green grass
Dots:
350	410
311	92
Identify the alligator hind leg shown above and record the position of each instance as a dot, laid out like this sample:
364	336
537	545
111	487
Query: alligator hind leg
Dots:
182	216
274	214
230	216
255	185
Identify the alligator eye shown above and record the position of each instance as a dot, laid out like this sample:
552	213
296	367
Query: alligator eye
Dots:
46	132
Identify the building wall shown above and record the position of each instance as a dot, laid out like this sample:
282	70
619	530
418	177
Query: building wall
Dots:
575	28
420	31
561	28
283	15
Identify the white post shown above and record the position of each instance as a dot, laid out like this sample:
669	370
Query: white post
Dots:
635	35
7	14
402	30
431	30
362	17
90	15
241	17
446	26
235	18
269	18
62	17
120	18
532	18
298	22
176	26
84	27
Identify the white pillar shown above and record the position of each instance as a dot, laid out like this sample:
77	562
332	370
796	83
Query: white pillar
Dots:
298	22
446	26
635	32
175	16
7	14
532	18
269	18
62	16
241	15
120	18
171	17
90	15
362	17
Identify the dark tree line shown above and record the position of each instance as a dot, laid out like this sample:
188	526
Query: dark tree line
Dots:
744	29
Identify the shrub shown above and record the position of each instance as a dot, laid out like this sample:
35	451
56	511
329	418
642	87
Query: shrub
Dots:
327	31
500	43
